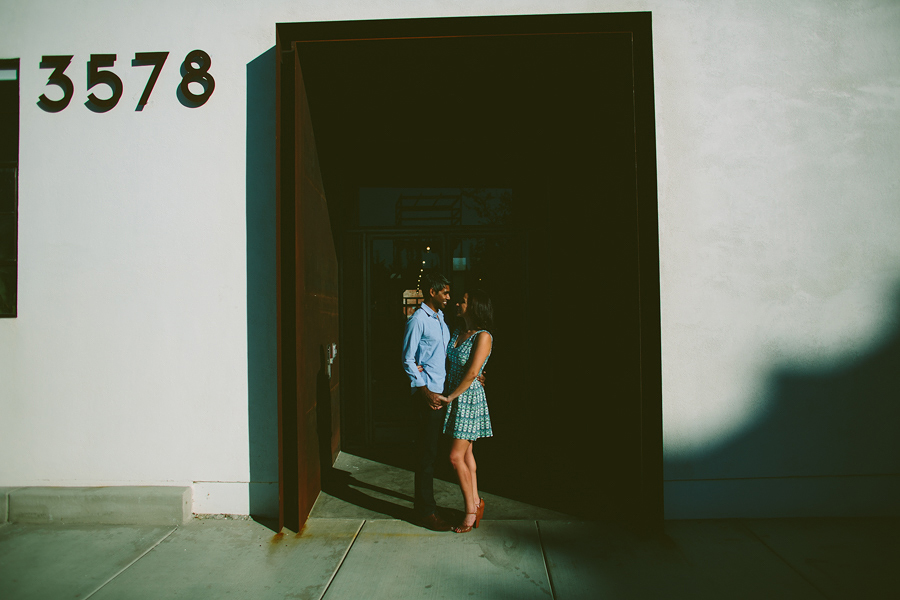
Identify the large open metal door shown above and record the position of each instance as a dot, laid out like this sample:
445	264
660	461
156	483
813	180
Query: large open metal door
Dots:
308	420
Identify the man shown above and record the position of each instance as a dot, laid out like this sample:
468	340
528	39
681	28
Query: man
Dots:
425	344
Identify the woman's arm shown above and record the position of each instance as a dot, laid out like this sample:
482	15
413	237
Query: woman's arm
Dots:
480	352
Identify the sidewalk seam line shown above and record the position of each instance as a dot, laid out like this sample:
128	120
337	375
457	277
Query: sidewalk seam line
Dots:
341	563
122	570
783	559
544	556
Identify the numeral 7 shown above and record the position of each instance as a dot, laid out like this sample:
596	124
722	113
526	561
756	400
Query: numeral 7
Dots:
145	59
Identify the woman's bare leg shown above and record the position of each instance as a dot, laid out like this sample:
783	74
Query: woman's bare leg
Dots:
458	451
470	462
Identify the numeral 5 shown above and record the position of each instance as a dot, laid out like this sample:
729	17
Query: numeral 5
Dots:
95	76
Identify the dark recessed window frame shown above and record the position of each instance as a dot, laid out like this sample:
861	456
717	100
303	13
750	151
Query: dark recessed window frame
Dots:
9	189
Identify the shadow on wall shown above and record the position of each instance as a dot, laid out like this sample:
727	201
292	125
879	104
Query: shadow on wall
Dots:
828	445
262	368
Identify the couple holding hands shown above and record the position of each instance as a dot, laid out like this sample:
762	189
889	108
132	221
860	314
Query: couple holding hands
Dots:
462	413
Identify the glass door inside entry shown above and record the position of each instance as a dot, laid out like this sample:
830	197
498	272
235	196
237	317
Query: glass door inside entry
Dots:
470	236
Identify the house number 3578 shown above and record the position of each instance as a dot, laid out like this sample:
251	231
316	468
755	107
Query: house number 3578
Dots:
195	69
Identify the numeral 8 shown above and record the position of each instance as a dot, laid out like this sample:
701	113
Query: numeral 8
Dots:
199	74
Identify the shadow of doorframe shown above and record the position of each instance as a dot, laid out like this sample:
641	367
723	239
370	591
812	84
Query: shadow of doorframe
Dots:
262	351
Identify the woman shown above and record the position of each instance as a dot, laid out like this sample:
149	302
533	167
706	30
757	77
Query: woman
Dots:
467	416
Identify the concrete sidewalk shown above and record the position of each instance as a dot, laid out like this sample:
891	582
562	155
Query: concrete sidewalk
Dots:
359	544
355	558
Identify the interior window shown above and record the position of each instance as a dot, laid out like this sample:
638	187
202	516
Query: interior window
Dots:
434	207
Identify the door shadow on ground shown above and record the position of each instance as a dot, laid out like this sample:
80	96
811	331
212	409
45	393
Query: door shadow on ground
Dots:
342	485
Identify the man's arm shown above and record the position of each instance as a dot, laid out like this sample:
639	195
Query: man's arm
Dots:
411	338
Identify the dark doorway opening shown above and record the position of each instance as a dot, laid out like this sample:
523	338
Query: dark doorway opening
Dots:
558	111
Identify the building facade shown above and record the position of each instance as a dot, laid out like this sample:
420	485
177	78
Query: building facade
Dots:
142	347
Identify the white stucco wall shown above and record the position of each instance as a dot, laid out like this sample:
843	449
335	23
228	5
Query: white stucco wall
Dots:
778	138
778	143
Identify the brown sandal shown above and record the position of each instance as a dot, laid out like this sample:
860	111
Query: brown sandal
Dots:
463	528
479	512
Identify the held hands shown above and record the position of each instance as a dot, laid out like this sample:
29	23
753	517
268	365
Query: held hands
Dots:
437	401
434	401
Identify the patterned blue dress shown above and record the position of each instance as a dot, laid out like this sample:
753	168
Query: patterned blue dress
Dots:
467	416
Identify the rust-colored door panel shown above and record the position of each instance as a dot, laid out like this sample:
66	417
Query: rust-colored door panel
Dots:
309	417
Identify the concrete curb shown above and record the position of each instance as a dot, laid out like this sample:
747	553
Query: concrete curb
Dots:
121	505
4	503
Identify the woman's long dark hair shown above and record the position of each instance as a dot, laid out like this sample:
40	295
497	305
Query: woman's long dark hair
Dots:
480	310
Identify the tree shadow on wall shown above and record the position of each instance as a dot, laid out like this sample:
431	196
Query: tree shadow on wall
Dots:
839	420
262	367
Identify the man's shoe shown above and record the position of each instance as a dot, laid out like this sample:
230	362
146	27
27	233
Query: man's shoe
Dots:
434	523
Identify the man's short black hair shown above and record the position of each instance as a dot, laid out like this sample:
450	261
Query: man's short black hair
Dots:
433	281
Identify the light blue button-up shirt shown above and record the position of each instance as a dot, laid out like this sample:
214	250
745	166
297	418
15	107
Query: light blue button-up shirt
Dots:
425	343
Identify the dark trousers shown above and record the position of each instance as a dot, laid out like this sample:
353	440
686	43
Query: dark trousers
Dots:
429	425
